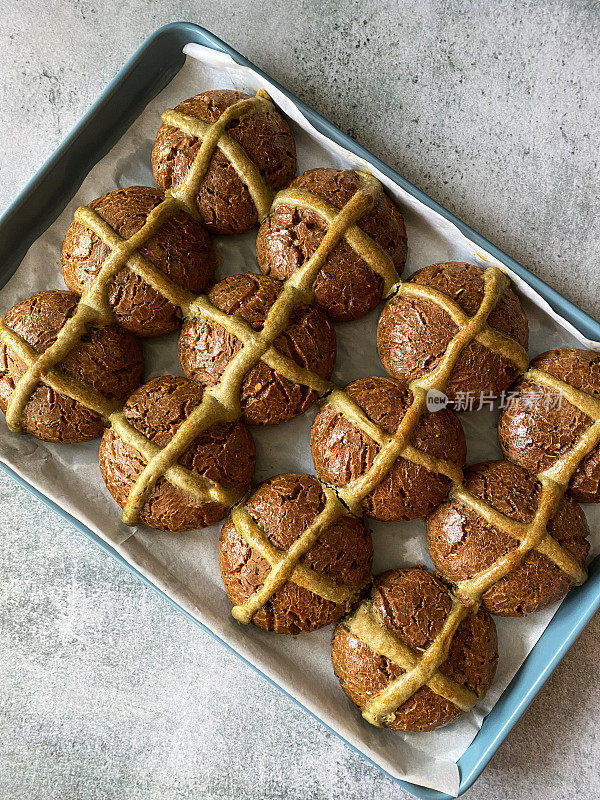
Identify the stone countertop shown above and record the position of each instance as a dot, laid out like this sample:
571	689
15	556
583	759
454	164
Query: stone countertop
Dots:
492	109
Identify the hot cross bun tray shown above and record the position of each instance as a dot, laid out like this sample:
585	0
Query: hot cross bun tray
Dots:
413	648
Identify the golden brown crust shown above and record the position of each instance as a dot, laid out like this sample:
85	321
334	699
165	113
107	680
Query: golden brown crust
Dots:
341	452
462	544
181	249
413	332
347	287
284	506
224	453
223	201
107	359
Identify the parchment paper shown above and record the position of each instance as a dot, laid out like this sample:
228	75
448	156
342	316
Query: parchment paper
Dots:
185	565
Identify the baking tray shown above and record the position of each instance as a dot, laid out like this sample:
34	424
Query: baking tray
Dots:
156	62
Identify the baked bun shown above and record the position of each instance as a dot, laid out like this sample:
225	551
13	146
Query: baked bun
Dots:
342	452
414	332
284	507
267	398
224	453
107	359
181	248
346	288
413	605
224	202
539	424
462	544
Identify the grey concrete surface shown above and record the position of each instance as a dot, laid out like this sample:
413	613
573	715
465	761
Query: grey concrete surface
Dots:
493	109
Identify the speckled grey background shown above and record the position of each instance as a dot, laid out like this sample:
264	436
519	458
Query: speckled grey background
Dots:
493	109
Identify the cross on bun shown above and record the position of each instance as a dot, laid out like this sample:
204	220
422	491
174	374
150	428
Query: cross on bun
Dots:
283	507
107	359
539	423
347	287
224	453
342	452
181	248
224	202
414	332
267	397
407	611
462	544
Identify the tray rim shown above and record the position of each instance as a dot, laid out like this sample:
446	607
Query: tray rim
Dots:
121	97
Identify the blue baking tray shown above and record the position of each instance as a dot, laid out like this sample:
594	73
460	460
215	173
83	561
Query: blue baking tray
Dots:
156	62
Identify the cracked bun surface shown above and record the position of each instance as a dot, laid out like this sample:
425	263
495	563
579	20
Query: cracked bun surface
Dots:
462	544
224	453
539	425
414	333
181	248
224	202
342	452
413	604
347	287
267	398
284	506
108	359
